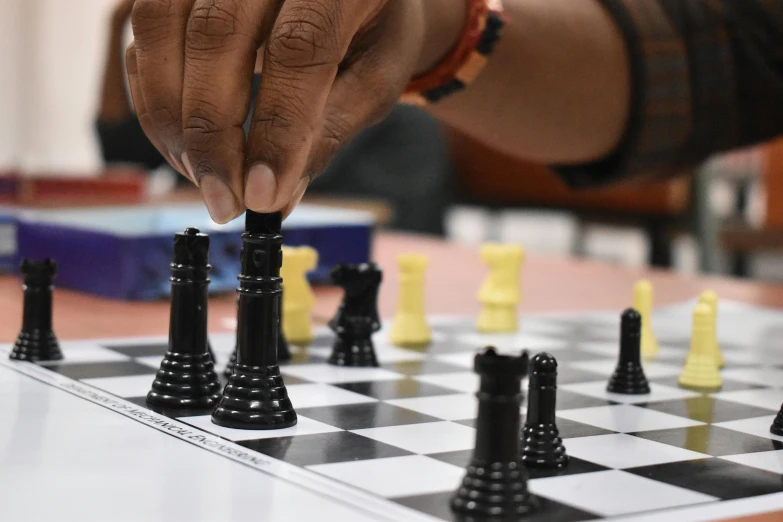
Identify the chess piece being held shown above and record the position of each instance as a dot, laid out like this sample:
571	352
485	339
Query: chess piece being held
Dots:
500	293
357	317
643	303
495	485
409	327
542	446
701	369
628	378
36	341
256	397
298	297
186	380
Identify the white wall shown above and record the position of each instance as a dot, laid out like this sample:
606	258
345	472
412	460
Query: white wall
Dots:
53	51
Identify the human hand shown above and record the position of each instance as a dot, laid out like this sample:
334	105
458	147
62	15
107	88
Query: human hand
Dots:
331	68
122	12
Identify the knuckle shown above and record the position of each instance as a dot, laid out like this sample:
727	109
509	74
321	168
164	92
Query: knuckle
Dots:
305	37
214	27
279	116
151	17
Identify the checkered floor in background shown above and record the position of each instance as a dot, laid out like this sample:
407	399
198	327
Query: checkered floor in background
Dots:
405	431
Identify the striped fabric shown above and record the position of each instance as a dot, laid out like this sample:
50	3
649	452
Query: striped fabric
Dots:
707	77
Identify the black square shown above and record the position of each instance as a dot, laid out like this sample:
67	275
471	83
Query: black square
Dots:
140	350
568	375
567	400
708	409
422	367
100	370
438	505
365	415
568	429
457	458
711	440
397	389
717	477
575	466
323	448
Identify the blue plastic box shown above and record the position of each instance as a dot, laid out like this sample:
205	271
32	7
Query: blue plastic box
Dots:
124	253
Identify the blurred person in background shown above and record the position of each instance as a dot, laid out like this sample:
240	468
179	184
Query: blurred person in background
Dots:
402	161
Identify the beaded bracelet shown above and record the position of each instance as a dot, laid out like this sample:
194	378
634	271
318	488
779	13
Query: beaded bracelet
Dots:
482	30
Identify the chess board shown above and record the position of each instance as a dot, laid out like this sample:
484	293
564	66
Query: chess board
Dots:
391	443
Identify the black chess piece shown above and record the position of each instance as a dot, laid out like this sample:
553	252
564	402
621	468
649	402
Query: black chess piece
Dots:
777	424
495	485
256	397
628	378
36	341
357	317
232	361
186	380
542	446
283	351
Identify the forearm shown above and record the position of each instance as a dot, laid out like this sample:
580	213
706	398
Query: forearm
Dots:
557	88
114	104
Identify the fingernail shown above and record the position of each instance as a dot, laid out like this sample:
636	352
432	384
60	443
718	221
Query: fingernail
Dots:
188	168
221	203
261	188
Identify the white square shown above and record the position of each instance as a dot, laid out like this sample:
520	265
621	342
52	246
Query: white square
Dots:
764	376
131	386
467	382
428	437
396	476
769	398
512	343
330	374
318	395
652	369
153	361
621	451
613	492
612	349
758	426
461	359
223	343
446	407
658	392
77	352
766	460
304	426
625	418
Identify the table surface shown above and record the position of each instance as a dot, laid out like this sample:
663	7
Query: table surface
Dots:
454	276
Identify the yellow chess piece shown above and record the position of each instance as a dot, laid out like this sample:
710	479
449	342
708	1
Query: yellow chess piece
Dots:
410	323
643	303
298	297
701	371
711	298
500	293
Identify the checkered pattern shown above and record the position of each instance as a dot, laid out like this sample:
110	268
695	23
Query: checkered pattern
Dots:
405	431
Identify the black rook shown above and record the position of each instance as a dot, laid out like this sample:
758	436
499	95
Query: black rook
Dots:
255	396
495	486
36	341
186	379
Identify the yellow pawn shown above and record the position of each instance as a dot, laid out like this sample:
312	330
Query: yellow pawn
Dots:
643	303
500	293
410	324
298	297
711	298
701	372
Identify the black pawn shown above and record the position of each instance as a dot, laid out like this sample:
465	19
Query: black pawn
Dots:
628	378
357	317
495	485
777	424
186	380
36	341
233	359
255	397
542	446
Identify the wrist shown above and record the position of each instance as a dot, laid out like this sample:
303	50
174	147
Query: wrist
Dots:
444	21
